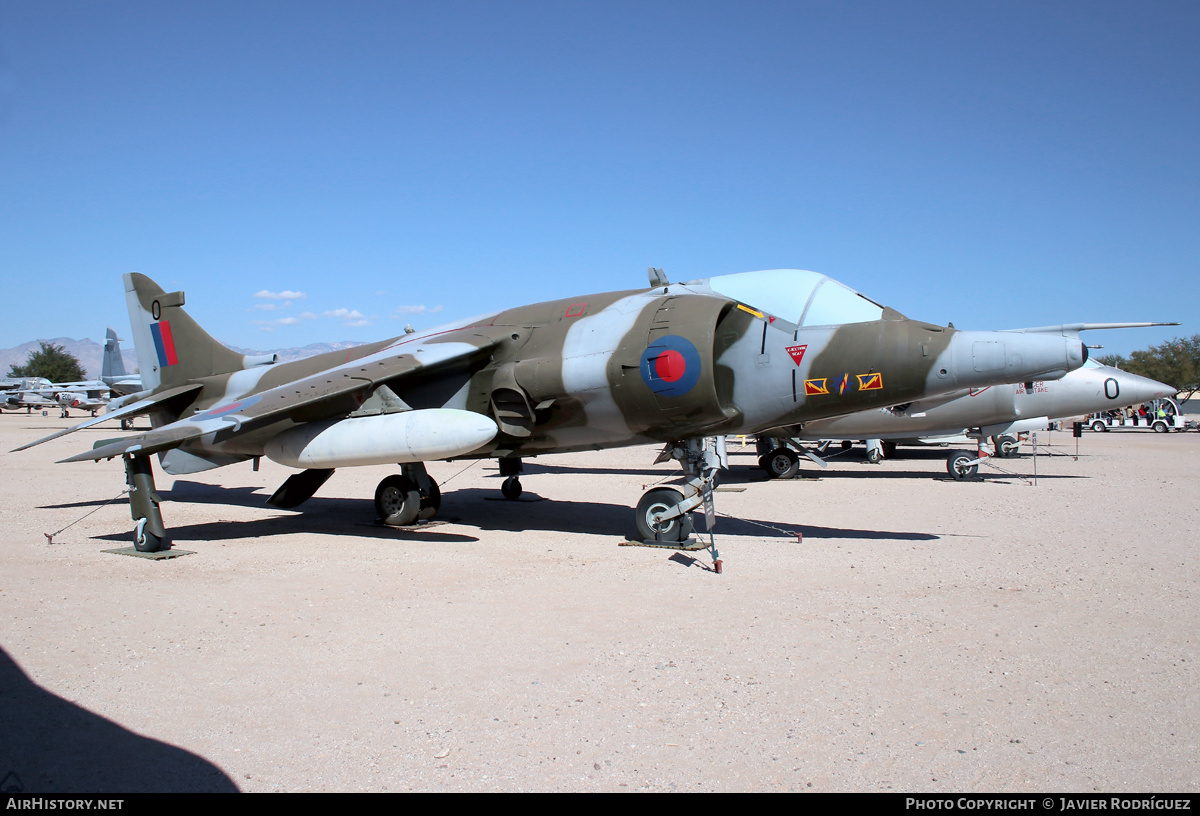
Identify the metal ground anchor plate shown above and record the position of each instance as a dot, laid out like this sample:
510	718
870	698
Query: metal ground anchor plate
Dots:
161	555
687	546
421	524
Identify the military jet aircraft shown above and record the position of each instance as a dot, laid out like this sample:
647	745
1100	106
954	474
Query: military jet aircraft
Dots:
998	412
26	392
40	393
674	363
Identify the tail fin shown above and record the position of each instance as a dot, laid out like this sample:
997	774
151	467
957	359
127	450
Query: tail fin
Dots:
172	349
112	366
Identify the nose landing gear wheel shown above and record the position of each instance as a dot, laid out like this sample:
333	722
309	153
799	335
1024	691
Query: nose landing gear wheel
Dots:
658	501
781	463
957	465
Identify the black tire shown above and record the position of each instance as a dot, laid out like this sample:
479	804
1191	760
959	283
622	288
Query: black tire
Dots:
956	465
656	501
1161	427
431	501
781	463
511	489
1099	426
874	455
397	501
847	444
147	541
1006	445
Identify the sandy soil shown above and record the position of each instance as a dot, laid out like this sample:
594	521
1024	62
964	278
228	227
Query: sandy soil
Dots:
924	635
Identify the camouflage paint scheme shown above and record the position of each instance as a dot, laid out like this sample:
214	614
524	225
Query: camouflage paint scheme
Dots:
573	374
742	353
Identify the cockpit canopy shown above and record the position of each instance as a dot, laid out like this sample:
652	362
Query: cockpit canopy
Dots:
798	296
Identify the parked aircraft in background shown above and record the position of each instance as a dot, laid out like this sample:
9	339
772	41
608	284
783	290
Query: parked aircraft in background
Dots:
40	394
681	364
998	412
112	368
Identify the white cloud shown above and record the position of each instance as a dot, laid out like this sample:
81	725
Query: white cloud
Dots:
348	317
284	295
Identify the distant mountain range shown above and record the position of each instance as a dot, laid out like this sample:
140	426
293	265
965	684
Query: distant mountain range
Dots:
89	353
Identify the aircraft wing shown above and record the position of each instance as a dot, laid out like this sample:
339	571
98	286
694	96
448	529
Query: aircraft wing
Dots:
160	439
133	409
334	387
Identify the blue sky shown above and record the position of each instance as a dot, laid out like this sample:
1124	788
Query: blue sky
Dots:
992	164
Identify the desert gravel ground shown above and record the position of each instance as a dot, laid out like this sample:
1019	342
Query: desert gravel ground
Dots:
924	635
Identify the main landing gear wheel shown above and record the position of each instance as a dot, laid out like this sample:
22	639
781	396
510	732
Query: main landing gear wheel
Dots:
781	463
658	501
957	465
431	501
398	501
511	489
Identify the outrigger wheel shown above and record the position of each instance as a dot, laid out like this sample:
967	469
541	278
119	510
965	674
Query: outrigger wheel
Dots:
149	534
144	540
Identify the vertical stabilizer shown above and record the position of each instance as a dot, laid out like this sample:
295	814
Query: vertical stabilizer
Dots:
112	366
172	349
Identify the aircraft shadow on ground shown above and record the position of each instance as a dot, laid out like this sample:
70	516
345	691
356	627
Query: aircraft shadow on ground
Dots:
534	468
190	492
480	508
202	493
51	745
1019	469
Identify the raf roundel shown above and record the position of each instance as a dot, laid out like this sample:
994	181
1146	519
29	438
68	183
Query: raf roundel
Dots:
671	366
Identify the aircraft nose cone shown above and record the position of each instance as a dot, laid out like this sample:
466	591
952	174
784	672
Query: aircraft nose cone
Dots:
1143	389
